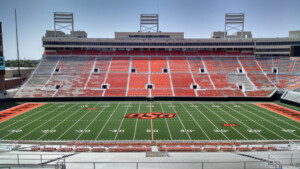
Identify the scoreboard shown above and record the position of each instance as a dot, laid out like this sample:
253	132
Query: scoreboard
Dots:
2	63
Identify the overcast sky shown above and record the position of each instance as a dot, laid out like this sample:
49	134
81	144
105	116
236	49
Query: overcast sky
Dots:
101	18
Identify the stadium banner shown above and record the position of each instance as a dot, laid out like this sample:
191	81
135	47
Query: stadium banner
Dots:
2	63
14	111
292	114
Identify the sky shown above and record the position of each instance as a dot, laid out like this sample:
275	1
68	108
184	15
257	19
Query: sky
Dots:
101	18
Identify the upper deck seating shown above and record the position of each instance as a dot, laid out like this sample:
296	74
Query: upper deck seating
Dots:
191	53
64	52
134	52
163	53
219	53
107	52
92	52
149	53
233	53
204	53
120	52
177	53
78	52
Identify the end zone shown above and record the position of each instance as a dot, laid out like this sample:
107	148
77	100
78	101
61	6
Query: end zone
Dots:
14	111
292	114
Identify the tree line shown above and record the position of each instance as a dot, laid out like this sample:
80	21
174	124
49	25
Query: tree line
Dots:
23	63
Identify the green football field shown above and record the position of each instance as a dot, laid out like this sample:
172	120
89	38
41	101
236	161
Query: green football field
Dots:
83	121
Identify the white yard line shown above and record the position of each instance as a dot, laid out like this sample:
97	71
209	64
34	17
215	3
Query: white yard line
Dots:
226	121
104	81
122	121
195	121
274	116
257	123
92	120
170	76
31	122
25	117
86	83
196	93
136	122
209	120
166	122
75	123
128	79
181	122
267	120
45	122
65	119
107	121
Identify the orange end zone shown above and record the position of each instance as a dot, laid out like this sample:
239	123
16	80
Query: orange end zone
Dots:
14	111
292	114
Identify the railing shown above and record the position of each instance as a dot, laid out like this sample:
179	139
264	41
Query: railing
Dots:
190	165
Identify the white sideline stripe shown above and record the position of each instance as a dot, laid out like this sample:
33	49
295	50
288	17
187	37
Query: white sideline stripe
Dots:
86	83
257	123
107	121
166	122
136	122
280	115
104	81
170	76
74	123
51	75
122	122
45	122
209	120
195	121
226	121
242	123
129	72
98	114
266	119
208	74
30	122
24	117
59	122
181	122
186	58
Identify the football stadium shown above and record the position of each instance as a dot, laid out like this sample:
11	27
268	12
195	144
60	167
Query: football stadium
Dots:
153	99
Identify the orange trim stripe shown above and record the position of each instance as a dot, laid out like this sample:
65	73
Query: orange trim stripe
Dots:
292	114
14	111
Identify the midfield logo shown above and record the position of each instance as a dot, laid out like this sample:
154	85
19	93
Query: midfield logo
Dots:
153	115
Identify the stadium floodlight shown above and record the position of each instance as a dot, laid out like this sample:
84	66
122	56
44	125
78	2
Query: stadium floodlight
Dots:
63	20
149	23
234	21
